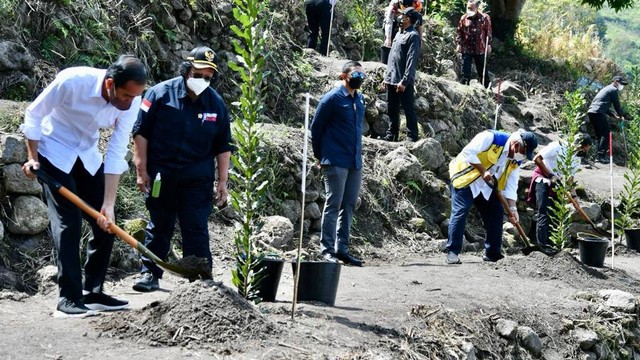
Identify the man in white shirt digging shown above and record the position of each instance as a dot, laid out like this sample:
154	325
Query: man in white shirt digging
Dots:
62	128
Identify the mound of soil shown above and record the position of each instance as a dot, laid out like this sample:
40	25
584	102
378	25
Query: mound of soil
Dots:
566	267
202	314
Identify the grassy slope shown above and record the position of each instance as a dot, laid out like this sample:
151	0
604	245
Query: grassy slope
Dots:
622	37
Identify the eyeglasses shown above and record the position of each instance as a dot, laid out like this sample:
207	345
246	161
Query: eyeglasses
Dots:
358	74
200	76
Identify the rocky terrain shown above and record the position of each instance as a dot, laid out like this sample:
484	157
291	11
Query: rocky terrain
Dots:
405	303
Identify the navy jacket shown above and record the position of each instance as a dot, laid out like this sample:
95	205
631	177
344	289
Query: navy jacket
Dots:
184	136
336	129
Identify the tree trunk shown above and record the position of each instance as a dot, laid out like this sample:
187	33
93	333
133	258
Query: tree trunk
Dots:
504	17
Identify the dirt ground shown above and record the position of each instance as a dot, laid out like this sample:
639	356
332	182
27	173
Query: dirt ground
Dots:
373	318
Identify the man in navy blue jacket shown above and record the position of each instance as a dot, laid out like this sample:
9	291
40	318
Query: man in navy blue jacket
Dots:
336	132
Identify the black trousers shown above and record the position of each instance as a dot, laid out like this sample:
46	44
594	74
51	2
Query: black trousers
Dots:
189	201
601	127
544	200
406	98
318	18
66	227
466	68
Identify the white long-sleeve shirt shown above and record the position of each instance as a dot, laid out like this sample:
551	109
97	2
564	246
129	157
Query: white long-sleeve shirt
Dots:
550	156
469	153
66	118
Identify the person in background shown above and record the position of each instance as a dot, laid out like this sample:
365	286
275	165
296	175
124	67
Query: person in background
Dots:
336	136
541	191
490	156
182	132
392	24
399	78
599	109
319	19
473	41
62	128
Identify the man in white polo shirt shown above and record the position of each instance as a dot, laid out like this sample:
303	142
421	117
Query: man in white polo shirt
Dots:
62	128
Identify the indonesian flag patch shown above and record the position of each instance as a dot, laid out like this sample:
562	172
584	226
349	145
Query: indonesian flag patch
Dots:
213	117
146	104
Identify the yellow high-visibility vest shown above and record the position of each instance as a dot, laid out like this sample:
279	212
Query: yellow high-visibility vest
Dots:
463	174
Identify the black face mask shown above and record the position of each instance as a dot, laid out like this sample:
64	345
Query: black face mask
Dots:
355	83
581	153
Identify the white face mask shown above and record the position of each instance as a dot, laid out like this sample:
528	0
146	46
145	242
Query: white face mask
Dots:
471	13
519	157
620	87
197	85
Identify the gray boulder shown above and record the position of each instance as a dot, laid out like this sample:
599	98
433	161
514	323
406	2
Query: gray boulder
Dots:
291	210
47	279
16	182
592	210
29	216
14	56
506	328
530	340
312	211
429	152
619	300
12	149
277	231
8	279
403	165
585	337
509	88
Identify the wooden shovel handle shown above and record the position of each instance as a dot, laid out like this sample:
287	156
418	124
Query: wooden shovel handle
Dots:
67	194
505	205
579	209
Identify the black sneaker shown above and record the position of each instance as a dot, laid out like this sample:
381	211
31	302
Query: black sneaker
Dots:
70	308
348	259
104	302
603	160
488	258
147	283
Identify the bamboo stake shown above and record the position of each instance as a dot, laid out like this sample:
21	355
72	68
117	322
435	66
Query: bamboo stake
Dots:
329	39
304	187
612	210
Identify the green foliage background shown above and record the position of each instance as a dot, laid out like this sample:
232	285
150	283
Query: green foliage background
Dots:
622	35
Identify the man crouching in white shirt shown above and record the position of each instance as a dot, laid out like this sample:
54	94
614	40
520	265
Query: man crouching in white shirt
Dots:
62	131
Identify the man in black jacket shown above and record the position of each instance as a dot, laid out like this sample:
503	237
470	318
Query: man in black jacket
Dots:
400	76
599	109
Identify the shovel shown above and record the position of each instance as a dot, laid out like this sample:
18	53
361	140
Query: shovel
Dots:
586	217
529	248
192	268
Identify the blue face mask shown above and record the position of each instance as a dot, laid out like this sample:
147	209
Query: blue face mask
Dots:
357	77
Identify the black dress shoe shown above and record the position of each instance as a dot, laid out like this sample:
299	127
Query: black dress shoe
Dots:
348	259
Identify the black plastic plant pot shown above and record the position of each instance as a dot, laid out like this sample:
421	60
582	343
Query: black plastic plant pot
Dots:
593	249
318	281
268	287
632	236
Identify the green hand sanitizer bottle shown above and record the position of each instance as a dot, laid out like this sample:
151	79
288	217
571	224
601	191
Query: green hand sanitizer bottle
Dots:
155	191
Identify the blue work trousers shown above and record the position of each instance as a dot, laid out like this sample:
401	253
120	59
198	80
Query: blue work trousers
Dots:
492	217
189	201
342	186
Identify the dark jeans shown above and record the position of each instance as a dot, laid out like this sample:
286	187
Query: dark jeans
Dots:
491	212
544	200
342	187
66	229
601	127
466	68
318	18
190	201
406	98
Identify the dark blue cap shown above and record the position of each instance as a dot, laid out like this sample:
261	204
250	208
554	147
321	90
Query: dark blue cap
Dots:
530	142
